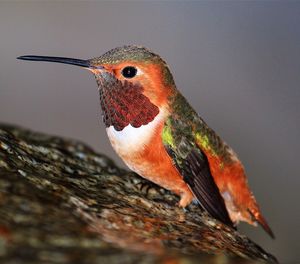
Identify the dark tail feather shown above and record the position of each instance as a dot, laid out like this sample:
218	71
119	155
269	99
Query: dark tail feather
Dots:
265	226
258	218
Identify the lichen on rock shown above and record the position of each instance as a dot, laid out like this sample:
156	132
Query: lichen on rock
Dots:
60	202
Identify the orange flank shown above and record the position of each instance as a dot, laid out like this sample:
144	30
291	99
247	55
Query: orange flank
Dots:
233	185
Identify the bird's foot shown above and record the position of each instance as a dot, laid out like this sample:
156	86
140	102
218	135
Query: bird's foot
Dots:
149	189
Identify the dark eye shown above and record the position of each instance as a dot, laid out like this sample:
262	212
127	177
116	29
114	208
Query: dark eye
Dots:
129	72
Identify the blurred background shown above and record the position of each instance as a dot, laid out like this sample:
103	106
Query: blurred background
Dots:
238	63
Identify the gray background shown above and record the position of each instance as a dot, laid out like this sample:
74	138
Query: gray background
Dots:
238	63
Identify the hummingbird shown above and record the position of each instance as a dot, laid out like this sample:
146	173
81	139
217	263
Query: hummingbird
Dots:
159	135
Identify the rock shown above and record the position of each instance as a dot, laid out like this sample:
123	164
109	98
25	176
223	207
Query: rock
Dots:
60	202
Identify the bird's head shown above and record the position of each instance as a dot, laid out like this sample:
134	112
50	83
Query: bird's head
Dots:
134	83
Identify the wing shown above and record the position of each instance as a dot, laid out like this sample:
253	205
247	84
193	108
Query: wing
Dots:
192	163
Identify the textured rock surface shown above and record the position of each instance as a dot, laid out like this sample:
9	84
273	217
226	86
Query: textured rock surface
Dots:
60	202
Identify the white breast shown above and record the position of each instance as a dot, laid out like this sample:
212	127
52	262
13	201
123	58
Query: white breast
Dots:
130	139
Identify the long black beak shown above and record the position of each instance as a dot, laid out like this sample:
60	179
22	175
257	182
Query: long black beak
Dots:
77	62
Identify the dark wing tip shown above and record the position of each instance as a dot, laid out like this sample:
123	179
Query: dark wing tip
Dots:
198	177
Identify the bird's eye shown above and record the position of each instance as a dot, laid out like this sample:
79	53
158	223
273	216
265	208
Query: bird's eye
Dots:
129	72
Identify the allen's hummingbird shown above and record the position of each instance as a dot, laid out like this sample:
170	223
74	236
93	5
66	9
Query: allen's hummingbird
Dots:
159	135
